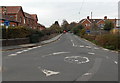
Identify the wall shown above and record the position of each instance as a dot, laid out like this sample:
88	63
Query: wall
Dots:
17	41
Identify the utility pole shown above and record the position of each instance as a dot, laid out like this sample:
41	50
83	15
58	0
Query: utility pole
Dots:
91	15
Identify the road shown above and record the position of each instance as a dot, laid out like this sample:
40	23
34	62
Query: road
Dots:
68	59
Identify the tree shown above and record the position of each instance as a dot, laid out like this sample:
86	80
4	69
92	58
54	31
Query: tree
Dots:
77	29
65	25
108	25
55	28
71	26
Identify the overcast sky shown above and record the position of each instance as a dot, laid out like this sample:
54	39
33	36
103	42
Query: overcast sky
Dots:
49	11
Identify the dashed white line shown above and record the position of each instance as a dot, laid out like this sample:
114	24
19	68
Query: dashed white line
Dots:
25	50
86	74
59	53
35	47
88	47
82	46
96	48
56	53
12	55
105	49
115	62
91	53
30	48
19	52
39	46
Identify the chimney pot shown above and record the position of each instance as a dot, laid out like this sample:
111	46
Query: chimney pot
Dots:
105	17
88	17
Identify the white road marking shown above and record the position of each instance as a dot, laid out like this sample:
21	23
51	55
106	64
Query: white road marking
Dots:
91	53
25	50
116	62
105	49
30	48
39	46
72	43
82	46
88	47
96	48
59	53
19	52
12	55
56	53
35	47
76	59
86	74
49	72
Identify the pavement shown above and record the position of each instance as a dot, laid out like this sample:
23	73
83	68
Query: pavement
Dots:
7	48
70	58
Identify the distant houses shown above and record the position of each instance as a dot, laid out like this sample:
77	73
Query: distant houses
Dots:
17	17
99	23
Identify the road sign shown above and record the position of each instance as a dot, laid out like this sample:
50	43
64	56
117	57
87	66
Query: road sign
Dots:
7	23
87	31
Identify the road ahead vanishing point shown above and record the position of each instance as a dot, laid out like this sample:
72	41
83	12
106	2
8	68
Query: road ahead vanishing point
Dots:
68	59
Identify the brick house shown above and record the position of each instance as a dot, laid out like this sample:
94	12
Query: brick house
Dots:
14	14
99	23
17	17
40	27
31	20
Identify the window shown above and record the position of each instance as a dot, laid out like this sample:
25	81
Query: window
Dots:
24	21
2	24
20	19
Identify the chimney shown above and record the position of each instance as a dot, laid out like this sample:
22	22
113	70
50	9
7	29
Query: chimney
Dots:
105	17
88	17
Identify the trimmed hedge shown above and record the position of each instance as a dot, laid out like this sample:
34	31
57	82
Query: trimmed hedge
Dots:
19	32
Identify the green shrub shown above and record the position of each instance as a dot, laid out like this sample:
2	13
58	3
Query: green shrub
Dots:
19	32
89	37
34	38
110	41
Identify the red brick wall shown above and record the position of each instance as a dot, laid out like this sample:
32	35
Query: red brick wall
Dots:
20	18
86	24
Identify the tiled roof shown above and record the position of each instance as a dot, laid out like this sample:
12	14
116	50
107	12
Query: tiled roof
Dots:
28	15
98	20
13	9
34	16
31	16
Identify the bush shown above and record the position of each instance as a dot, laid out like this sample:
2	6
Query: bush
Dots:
34	38
77	30
110	41
108	25
89	37
19	32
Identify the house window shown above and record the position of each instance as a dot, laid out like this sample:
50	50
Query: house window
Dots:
20	19
2	24
101	25
87	24
24	21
